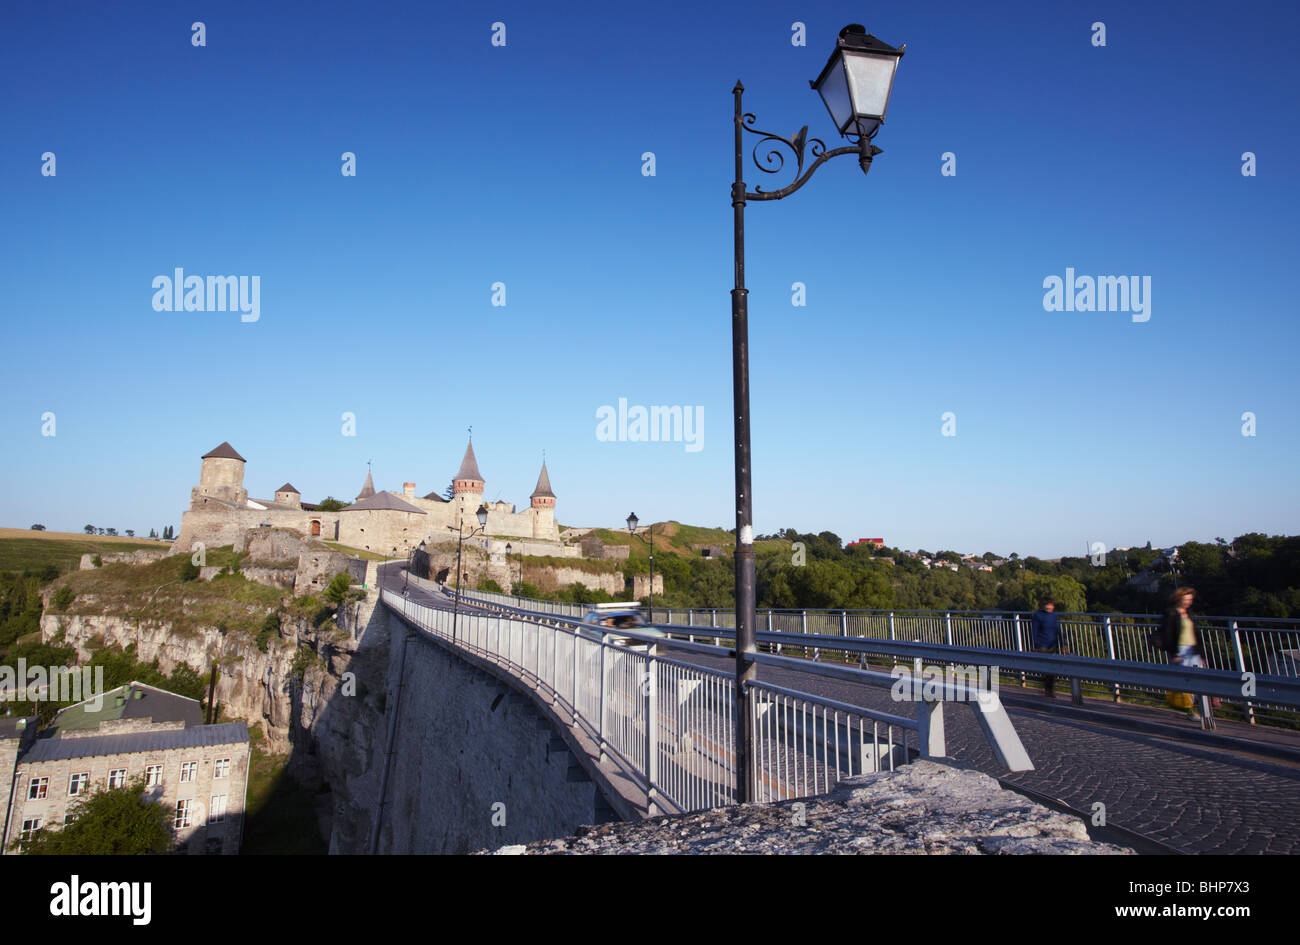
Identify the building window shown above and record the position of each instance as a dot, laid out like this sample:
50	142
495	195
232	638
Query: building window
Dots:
31	827
221	768
77	783
182	818
188	770
152	775
117	778
217	810
37	788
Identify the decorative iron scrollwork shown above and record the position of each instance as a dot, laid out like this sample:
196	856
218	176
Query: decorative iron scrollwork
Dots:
773	162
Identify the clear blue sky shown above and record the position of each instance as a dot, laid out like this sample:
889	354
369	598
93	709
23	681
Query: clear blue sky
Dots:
522	164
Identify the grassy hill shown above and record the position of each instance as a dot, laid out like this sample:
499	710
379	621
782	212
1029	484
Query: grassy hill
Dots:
675	538
25	550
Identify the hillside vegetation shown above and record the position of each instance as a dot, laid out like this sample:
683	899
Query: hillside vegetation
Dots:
1255	575
34	551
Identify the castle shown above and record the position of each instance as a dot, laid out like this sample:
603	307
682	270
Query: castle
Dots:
221	512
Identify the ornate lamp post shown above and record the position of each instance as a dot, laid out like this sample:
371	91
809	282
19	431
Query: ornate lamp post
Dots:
855	86
631	530
482	516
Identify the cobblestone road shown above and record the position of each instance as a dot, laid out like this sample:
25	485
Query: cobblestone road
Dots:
1192	798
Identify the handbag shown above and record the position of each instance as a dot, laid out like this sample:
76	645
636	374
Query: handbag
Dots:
1179	700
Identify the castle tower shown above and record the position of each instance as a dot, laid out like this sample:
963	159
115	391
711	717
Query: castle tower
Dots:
220	478
288	495
542	508
467	489
543	497
368	489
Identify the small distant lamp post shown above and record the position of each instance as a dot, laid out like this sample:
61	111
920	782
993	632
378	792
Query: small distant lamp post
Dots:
482	516
631	528
855	86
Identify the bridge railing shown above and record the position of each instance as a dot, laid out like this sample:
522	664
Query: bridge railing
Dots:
1242	645
668	724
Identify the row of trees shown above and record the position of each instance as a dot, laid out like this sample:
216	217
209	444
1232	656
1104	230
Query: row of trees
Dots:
1255	575
168	534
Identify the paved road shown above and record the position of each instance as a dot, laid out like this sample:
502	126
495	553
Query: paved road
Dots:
1191	797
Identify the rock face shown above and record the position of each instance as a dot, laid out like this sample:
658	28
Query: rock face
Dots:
922	807
143	556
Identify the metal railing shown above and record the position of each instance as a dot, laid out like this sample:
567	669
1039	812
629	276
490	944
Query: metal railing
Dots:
668	724
1242	645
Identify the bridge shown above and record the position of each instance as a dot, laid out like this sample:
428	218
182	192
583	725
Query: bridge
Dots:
828	705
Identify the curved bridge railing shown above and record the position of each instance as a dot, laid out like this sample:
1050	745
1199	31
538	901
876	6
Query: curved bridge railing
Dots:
668	724
1248	648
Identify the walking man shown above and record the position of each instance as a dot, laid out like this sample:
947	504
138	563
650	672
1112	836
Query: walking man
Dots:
1045	634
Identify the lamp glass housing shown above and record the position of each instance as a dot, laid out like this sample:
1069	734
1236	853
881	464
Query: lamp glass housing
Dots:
482	515
858	81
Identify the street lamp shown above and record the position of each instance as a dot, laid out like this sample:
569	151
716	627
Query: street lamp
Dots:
631	528
482	516
855	86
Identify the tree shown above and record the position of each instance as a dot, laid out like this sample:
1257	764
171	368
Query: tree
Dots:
153	533
337	591
38	528
114	821
90	529
450	492
331	504
111	531
130	533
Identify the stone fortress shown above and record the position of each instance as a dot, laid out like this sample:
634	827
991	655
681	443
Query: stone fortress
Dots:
221	513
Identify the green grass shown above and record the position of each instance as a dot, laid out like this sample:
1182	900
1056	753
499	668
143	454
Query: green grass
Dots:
155	591
23	554
356	552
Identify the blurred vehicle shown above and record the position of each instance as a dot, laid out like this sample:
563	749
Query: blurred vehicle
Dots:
608	619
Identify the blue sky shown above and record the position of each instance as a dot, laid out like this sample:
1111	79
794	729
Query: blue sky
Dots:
522	164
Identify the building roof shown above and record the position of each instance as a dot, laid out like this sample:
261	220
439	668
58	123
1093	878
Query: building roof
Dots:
383	501
9	725
434	497
368	489
288	487
469	466
134	700
543	484
197	736
224	451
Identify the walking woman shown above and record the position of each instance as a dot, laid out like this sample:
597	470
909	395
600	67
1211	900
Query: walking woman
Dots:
1178	632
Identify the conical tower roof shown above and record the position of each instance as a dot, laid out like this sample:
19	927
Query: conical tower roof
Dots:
543	485
368	489
224	451
469	465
